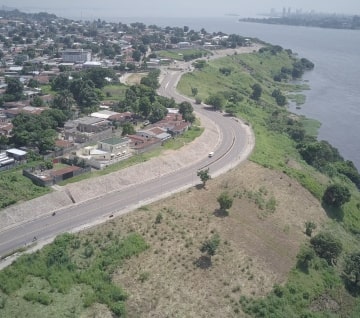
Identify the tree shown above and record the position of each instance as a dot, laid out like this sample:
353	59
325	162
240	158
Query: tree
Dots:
225	201
99	75
225	70
14	87
56	115
305	256
33	83
60	82
327	246
136	55
158	112
35	130
186	110
216	100
319	153
199	64
279	97
211	245
127	129
194	91
145	107
352	268
257	91
37	102
336	195
63	100
204	176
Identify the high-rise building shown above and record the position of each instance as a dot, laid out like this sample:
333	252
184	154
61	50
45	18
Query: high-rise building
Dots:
76	56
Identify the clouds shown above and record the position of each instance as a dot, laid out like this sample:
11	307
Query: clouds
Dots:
182	8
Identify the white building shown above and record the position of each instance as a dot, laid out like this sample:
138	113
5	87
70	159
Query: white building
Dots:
76	56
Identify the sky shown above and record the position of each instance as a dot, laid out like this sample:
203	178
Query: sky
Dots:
183	8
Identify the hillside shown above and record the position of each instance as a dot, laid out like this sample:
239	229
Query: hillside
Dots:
149	263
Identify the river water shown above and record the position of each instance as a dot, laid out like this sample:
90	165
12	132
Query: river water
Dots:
334	98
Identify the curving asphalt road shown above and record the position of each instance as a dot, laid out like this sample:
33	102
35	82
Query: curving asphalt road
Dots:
236	144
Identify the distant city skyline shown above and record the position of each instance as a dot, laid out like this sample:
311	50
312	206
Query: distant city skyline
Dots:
184	8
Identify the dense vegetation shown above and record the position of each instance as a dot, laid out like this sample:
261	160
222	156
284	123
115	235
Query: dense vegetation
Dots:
255	87
66	267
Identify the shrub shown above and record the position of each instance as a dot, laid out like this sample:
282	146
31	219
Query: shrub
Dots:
327	246
309	227
305	256
38	297
336	195
210	246
158	218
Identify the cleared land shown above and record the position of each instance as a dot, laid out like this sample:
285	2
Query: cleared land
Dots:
258	246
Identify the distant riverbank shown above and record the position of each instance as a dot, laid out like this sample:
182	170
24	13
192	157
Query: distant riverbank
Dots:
310	20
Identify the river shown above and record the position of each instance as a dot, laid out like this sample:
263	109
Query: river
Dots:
334	98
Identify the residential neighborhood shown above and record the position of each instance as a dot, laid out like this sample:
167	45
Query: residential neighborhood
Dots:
61	93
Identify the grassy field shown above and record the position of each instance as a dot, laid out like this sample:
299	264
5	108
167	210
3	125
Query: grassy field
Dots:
178	54
114	92
254	271
14	187
308	294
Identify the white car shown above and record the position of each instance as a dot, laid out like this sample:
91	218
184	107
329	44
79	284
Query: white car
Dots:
211	154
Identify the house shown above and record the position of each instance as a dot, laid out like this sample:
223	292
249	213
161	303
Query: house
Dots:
116	146
5	129
113	116
141	144
105	153
50	177
13	112
154	132
17	154
91	64
183	45
76	56
88	124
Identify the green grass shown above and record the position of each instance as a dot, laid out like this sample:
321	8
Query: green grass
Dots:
272	149
184	139
14	187
46	90
178	54
298	99
275	150
63	279
114	92
311	126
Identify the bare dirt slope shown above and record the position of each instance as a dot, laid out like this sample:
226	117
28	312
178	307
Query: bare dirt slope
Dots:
257	249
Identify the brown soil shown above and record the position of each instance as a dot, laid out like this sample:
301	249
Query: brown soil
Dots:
257	249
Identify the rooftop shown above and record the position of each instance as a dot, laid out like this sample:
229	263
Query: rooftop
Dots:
114	140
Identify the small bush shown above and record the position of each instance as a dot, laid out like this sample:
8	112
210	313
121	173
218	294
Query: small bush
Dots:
158	218
144	276
309	227
38	297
